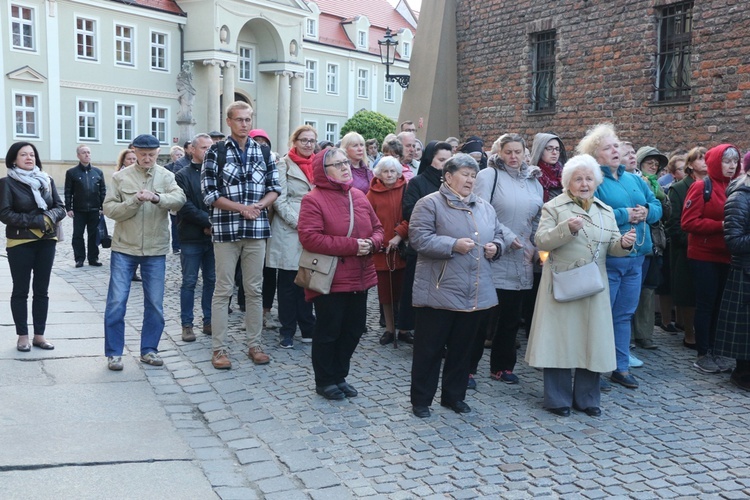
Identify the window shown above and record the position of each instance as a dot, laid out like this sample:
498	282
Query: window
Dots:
124	45
362	83
311	75
88	120
406	50
362	39
26	112
543	71
311	28
389	91
332	132
247	64
159	48
22	27
159	120
124	122
673	58
86	38
312	123
332	79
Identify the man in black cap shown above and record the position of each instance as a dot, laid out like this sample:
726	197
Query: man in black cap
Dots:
139	201
84	195
216	136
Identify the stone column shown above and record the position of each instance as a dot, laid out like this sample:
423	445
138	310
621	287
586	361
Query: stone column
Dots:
282	117
228	90
213	113
295	116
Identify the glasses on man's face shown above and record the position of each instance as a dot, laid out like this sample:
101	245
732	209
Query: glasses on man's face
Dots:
306	142
552	149
248	121
340	165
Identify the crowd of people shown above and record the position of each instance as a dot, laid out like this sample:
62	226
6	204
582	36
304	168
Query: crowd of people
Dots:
464	244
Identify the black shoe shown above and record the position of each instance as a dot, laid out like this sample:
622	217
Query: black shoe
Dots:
690	345
421	411
331	392
406	337
591	411
349	391
457	406
95	263
386	338
560	412
79	263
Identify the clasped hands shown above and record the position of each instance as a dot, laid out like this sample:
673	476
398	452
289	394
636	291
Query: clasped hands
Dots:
146	195
466	245
637	214
251	212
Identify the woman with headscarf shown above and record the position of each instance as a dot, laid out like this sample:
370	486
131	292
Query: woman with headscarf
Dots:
474	147
548	153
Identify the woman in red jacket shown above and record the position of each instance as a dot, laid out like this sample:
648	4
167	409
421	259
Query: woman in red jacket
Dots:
385	195
703	220
323	226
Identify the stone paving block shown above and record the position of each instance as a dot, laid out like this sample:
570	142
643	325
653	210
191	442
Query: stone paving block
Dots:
287	495
233	493
261	470
333	493
276	484
318	478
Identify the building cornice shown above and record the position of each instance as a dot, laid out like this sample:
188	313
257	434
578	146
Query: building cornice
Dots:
129	9
117	90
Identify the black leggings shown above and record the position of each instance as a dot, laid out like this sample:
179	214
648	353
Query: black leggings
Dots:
38	257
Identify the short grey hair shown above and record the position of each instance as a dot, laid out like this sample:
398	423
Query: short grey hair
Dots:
730	154
581	162
459	161
202	135
388	161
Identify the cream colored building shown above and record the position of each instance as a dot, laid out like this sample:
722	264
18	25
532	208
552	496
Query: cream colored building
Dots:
100	72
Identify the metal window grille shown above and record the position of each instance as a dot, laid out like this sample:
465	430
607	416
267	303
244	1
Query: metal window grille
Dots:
673	57
543	72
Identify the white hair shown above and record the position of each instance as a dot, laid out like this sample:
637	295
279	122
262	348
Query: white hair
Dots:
388	161
586	162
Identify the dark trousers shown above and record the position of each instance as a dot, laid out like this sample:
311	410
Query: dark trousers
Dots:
36	257
561	389
503	355
340	321
293	309
405	310
90	222
175	234
435	330
485	331
269	286
709	279
529	301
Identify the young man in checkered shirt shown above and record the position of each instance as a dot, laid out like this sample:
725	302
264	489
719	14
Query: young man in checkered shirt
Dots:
238	198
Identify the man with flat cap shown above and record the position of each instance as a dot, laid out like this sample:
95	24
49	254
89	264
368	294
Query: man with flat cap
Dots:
139	202
216	136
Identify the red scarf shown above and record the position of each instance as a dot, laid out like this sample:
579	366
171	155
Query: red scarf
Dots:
305	164
551	177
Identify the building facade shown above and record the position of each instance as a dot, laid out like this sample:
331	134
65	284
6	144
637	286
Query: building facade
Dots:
100	72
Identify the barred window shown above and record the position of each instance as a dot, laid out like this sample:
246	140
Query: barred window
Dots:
673	57
543	71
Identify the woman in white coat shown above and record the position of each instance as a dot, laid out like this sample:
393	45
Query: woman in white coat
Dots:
284	248
576	335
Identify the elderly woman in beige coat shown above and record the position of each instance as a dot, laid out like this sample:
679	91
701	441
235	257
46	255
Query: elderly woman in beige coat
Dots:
575	335
284	249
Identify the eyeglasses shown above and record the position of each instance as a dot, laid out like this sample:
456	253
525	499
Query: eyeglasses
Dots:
340	165
248	121
307	142
552	149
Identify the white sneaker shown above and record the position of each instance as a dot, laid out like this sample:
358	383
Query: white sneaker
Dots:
114	363
634	362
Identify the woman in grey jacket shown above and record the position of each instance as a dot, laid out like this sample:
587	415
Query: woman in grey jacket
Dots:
456	234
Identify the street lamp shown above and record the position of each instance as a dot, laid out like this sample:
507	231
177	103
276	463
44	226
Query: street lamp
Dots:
388	56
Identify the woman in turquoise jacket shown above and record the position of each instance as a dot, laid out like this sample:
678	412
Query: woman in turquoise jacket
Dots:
634	206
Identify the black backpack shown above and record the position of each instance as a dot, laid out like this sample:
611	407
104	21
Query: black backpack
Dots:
707	189
221	159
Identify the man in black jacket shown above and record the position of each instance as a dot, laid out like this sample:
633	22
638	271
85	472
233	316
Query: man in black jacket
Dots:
197	251
84	195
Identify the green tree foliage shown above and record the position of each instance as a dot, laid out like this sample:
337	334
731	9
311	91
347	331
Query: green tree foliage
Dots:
369	124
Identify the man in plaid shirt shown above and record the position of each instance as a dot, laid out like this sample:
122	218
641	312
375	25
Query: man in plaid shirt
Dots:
238	196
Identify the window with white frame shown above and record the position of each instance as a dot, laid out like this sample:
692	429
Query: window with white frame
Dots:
124	122
22	27
26	112
312	123
406	50
363	81
332	78
362	39
159	51
247	64
332	132
311	75
88	120
124	45
389	92
86	38
311	28
159	121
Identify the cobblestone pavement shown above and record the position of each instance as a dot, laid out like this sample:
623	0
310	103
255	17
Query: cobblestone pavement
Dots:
262	432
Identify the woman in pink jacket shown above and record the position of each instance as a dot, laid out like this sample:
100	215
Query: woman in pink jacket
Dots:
323	225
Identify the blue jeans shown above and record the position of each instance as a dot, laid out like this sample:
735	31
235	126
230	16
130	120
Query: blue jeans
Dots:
624	275
195	257
121	272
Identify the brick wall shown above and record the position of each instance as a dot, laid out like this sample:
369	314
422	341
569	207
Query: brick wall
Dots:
605	67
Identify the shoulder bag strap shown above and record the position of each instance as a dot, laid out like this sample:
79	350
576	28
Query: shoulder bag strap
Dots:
601	236
494	185
351	214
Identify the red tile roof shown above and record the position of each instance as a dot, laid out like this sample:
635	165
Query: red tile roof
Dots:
162	5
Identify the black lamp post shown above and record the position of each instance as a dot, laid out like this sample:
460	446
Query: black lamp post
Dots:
388	56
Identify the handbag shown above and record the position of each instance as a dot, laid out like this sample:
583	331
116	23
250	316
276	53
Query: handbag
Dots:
316	270
102	235
579	282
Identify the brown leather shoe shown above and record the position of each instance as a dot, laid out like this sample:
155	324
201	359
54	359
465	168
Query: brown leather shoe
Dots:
258	356
207	329
220	360
187	334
